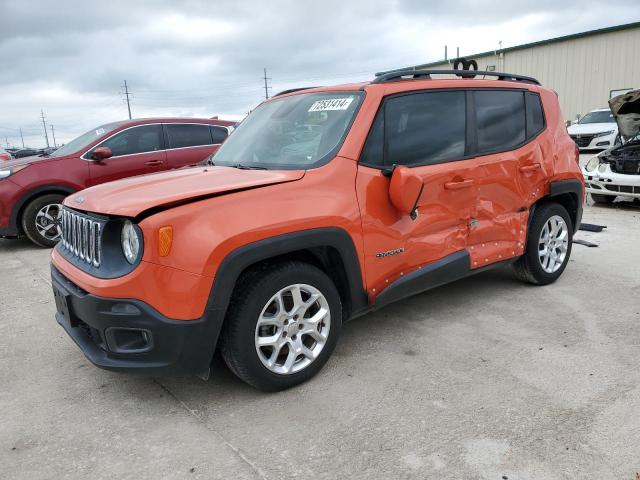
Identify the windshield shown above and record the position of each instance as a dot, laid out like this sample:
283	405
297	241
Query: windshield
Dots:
85	139
598	117
296	132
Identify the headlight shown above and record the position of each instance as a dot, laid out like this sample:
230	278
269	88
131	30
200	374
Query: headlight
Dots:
130	242
592	164
7	172
603	134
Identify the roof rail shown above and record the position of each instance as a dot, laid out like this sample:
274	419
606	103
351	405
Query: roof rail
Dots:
394	75
291	90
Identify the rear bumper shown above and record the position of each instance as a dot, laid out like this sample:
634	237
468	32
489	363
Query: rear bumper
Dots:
129	335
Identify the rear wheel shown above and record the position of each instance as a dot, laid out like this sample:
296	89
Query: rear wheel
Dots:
42	220
548	245
599	198
282	325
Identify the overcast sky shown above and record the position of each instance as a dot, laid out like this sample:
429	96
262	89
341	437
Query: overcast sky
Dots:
203	58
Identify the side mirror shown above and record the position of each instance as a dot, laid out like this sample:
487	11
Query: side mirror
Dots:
101	153
405	190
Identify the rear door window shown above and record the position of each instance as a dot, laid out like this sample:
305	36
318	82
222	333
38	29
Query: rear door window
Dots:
500	120
182	135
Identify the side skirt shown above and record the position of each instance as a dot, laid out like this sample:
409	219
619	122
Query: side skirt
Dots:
446	270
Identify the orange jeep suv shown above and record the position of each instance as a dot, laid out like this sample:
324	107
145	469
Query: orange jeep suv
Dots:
323	205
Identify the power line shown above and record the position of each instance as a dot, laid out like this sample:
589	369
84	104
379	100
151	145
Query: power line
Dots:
44	125
266	87
126	93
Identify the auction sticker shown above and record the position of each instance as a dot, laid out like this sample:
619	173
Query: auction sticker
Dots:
331	104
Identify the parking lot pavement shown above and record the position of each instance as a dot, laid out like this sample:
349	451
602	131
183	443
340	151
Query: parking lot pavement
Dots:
485	378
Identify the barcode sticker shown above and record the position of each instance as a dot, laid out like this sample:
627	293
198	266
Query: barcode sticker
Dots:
331	104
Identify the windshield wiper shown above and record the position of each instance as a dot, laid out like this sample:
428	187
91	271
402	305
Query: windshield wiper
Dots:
247	167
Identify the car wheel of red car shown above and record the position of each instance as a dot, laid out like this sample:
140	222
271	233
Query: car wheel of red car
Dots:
41	220
282	325
548	245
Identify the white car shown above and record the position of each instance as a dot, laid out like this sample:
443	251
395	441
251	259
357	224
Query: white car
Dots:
596	130
616	171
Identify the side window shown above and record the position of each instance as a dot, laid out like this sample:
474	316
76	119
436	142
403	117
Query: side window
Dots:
187	135
219	134
372	153
535	117
425	128
146	138
500	119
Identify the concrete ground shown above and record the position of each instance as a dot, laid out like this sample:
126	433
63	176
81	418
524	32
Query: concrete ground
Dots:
486	378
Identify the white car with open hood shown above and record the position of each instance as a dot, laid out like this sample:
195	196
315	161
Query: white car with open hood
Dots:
597	130
616	171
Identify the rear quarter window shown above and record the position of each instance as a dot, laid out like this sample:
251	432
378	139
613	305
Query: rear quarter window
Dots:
535	115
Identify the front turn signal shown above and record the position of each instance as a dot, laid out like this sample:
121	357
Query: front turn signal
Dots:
165	240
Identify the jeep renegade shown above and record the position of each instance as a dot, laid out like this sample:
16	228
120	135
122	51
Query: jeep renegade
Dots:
325	204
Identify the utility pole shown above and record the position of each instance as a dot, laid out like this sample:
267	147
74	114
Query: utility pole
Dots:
53	134
44	125
266	86
21	137
126	94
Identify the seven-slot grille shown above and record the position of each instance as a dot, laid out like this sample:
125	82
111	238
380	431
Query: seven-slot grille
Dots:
81	236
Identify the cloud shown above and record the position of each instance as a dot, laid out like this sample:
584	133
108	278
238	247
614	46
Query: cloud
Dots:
201	58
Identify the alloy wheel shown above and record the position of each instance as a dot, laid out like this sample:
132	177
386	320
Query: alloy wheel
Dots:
49	221
553	244
292	329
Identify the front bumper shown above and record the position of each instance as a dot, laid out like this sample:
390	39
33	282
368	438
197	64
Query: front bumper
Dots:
129	335
591	142
611	183
10	193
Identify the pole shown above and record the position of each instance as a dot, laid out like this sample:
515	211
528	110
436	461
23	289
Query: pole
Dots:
21	137
266	87
53	134
126	93
44	125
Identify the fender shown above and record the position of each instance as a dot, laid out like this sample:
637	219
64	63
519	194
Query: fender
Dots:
574	188
238	260
30	195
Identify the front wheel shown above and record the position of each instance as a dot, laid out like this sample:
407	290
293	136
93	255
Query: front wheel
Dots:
42	220
548	245
283	324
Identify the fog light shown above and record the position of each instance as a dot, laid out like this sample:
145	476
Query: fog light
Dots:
129	340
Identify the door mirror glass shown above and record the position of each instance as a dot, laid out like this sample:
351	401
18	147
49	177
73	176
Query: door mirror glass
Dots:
101	153
405	190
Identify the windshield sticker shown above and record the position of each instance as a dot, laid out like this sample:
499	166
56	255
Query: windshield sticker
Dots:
331	104
99	131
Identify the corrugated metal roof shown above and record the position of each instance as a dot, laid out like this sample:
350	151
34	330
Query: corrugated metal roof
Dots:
564	38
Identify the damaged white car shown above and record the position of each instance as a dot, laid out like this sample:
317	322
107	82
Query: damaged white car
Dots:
616	171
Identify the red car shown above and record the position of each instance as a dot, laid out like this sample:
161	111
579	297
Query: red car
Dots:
32	189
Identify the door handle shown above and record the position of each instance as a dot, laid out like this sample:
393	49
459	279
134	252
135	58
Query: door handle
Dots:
154	163
530	168
458	185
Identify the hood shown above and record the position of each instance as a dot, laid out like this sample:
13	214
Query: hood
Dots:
626	110
590	128
16	162
132	196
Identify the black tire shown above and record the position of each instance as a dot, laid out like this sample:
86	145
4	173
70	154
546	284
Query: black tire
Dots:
528	267
606	199
251	294
29	219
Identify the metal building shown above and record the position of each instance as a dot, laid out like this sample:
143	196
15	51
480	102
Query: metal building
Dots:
586	69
